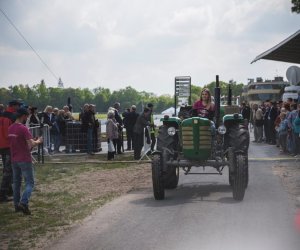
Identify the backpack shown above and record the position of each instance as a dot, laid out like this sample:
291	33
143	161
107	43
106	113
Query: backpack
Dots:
296	125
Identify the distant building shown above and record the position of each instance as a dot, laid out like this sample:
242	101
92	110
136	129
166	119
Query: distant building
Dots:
260	91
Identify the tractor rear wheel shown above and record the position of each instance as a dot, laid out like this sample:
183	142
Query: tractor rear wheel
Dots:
157	178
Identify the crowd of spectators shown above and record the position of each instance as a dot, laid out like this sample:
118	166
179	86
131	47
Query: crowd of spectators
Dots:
276	123
56	120
137	127
16	141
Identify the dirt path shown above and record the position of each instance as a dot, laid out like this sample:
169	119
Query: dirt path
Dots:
289	174
97	184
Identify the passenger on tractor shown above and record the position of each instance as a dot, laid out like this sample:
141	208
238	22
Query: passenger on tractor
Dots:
204	107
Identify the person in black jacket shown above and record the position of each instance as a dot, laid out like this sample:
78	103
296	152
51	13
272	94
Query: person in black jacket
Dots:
33	120
142	122
245	112
120	126
60	124
88	123
129	120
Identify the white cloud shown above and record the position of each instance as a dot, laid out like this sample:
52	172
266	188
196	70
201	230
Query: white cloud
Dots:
142	43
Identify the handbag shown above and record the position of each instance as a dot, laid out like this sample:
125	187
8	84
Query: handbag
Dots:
110	146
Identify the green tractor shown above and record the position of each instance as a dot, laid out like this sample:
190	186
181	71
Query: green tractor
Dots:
189	141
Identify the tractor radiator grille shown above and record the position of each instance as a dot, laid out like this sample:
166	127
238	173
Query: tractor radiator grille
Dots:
190	135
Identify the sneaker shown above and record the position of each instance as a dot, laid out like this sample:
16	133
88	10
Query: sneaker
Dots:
5	199
24	208
18	209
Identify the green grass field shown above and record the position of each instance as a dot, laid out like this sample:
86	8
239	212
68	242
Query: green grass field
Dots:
99	116
59	199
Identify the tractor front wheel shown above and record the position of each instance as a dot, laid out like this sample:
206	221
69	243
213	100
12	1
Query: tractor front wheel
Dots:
171	177
240	177
157	178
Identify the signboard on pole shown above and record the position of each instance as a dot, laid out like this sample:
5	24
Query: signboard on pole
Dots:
182	91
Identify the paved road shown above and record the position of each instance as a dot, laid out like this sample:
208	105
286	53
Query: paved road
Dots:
199	214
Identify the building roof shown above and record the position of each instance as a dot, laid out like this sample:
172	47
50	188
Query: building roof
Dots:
286	51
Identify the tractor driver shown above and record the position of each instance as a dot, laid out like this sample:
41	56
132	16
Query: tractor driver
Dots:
204	107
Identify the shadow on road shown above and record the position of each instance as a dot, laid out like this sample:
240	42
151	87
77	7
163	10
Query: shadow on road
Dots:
191	193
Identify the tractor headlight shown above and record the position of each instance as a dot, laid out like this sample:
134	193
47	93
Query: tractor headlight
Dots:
222	129
171	131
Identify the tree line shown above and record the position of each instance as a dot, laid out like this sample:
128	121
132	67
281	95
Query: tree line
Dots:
40	96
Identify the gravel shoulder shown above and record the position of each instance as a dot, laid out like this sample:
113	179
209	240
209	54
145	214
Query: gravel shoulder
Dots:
289	173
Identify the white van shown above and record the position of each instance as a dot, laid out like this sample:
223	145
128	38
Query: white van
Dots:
291	92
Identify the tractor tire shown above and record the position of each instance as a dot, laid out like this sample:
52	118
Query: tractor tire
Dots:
231	167
171	178
231	178
164	140
240	177
157	178
239	138
247	172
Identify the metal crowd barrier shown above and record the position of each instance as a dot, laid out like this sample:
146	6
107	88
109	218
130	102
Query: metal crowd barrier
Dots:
38	151
76	140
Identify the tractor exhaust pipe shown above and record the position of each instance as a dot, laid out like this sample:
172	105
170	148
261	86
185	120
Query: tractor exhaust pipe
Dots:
217	101
229	100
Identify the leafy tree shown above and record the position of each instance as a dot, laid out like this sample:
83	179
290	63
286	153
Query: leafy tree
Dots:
296	6
236	89
4	96
101	99
41	96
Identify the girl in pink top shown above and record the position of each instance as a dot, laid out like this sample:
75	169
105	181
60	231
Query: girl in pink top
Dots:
205	107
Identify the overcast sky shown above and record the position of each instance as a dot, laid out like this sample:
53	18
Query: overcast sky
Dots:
141	43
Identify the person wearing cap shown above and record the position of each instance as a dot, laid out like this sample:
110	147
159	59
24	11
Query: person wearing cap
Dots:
6	119
152	127
129	120
21	143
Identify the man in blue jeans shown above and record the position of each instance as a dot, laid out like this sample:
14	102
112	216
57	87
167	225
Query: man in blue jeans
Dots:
21	143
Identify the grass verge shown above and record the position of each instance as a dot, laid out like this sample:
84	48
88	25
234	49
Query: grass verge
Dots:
64	194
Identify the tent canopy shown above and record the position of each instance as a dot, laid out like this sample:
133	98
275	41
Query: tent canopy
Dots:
286	51
170	111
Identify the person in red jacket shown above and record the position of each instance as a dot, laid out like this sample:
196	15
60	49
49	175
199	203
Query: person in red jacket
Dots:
6	119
